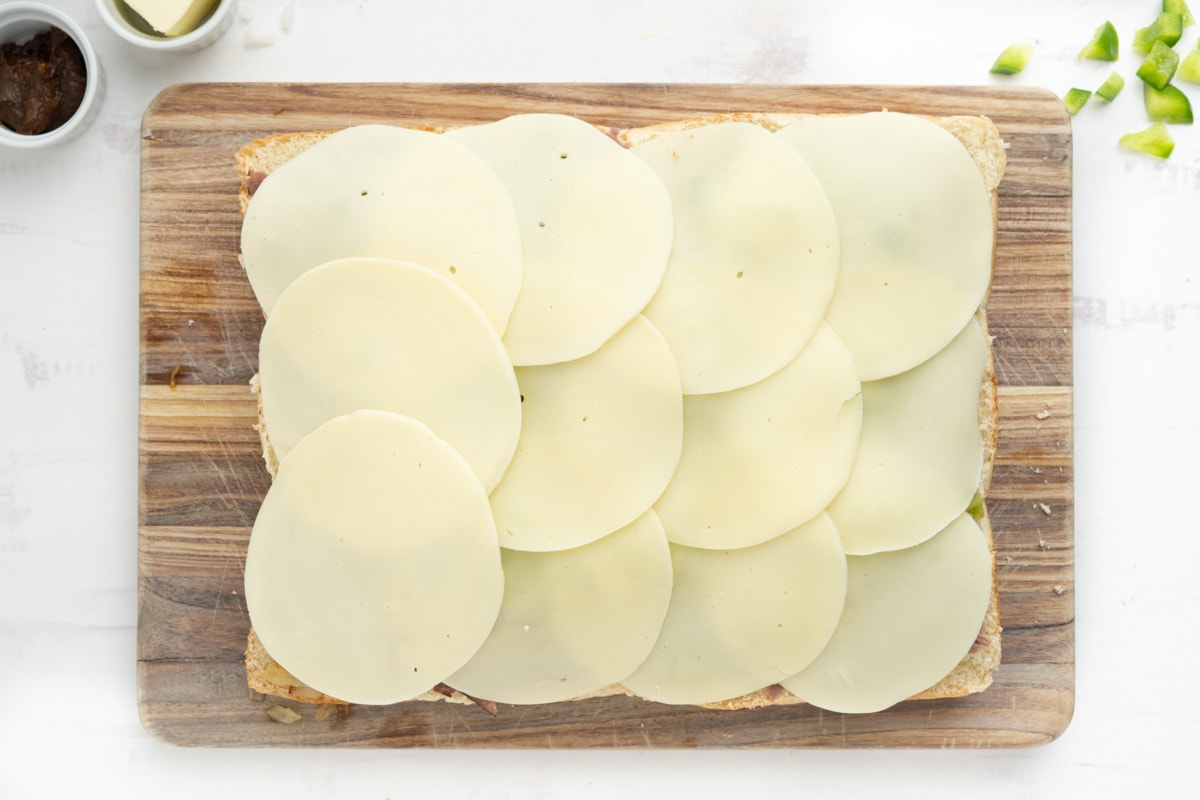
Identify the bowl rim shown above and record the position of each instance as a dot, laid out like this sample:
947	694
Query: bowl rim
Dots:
118	25
42	14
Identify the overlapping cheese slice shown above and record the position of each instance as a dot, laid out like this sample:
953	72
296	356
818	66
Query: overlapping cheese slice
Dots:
574	621
596	231
910	616
600	439
743	619
373	570
760	460
921	452
382	334
755	255
378	190
916	231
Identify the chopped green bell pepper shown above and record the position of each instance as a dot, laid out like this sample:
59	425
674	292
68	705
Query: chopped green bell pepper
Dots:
1167	105
1168	29
1179	7
1154	141
1012	60
1076	99
1111	87
1189	68
1104	45
1159	66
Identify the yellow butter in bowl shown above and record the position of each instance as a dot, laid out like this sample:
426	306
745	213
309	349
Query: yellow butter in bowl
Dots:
172	17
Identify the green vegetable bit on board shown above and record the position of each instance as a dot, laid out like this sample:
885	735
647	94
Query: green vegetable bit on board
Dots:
1189	68
1075	99
1179	7
1154	141
1111	87
1012	60
1159	66
1168	28
1104	45
1167	104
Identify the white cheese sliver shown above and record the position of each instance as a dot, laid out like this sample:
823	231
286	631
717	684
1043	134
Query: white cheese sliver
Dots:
910	616
599	441
383	334
921	451
373	570
596	231
573	621
760	460
740	620
378	190
755	254
916	233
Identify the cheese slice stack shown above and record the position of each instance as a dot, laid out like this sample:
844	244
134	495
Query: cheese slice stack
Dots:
688	418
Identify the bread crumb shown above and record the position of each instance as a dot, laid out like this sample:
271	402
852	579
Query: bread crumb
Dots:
1044	414
1044	508
1059	588
283	714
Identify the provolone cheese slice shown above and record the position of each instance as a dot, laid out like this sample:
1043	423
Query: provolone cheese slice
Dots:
389	335
373	570
760	460
574	621
740	620
595	227
599	440
378	190
916	233
921	452
755	255
910	617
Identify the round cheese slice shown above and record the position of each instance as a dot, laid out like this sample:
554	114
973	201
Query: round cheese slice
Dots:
921	452
376	333
760	460
755	254
373	570
599	440
740	620
573	621
916	233
379	190
596	231
910	617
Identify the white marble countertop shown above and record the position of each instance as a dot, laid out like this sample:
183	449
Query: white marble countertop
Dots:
69	372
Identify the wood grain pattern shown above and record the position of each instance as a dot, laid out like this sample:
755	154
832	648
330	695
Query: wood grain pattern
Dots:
202	478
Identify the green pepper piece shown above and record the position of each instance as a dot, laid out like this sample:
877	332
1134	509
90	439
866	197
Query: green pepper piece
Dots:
1159	66
1075	99
976	507
1168	28
1154	141
1167	104
1104	45
1111	87
1189	68
1012	60
1179	7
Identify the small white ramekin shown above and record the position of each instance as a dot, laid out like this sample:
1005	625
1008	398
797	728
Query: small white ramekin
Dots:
20	22
208	32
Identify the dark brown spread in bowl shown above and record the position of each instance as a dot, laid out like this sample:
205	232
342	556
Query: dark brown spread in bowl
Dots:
42	82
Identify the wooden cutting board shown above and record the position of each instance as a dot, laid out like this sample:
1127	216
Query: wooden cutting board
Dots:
202	477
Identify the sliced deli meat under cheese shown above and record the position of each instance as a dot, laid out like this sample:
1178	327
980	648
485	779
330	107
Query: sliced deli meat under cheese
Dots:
755	254
921	452
760	460
600	439
381	334
910	617
378	190
596	231
373	570
916	228
574	621
740	620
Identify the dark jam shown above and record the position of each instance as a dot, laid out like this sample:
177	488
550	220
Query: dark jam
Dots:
42	82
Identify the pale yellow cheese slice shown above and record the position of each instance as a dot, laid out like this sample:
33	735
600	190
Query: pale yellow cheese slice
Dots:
916	233
373	570
921	451
376	333
760	460
574	621
910	616
755	254
740	620
599	441
596	231
378	190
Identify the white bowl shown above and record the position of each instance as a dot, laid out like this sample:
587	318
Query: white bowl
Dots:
208	32
20	22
